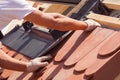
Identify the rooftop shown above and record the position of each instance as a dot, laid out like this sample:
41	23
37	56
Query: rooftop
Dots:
82	55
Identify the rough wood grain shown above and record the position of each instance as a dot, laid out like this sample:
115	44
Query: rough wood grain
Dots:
105	20
112	4
77	7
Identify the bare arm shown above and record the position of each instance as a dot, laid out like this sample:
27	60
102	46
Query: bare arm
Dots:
55	21
13	64
10	63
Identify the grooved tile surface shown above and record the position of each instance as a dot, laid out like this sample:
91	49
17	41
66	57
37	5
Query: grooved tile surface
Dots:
93	55
87	45
91	65
112	45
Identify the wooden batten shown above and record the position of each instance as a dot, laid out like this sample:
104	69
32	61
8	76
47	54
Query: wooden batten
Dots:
105	20
112	4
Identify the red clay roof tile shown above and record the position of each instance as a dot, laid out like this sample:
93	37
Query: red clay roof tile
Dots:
85	68
68	47
110	70
6	49
97	65
111	45
6	73
81	57
87	45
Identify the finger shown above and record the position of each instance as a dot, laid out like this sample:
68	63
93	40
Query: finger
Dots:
43	58
43	64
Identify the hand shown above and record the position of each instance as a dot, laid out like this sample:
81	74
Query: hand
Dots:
37	63
1	45
1	70
92	24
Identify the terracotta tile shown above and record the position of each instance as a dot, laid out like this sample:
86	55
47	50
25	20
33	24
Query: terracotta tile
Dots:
65	50
12	53
21	57
5	49
89	59
79	76
110	70
19	76
111	46
16	75
97	65
81	48
33	76
42	73
75	40
64	73
6	73
60	72
87	45
30	76
55	71
52	71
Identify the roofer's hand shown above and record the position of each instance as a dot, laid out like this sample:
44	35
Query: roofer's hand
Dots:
37	63
92	24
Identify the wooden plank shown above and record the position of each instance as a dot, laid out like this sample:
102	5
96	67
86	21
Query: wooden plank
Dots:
105	20
59	8
77	7
111	46
112	4
87	45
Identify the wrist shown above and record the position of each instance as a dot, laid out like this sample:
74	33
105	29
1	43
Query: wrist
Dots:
29	66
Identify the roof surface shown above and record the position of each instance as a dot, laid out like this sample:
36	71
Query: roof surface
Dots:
82	55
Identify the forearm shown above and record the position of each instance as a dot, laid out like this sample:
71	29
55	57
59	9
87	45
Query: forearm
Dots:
10	63
56	21
65	24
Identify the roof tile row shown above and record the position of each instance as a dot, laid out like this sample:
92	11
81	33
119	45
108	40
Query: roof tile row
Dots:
81	56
